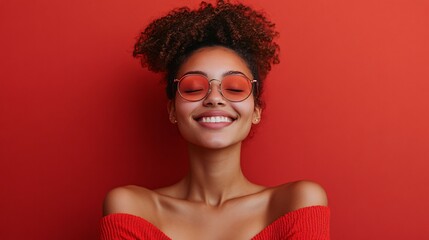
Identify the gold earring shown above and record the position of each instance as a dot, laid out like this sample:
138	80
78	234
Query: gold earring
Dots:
256	120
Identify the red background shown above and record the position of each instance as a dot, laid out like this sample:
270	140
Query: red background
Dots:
348	107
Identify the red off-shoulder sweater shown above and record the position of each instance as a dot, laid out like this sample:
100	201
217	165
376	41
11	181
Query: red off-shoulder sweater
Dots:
309	223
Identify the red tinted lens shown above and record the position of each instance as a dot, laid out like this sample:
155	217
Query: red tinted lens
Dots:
236	87
193	87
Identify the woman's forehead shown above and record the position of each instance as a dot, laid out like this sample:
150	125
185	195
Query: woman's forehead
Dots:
214	61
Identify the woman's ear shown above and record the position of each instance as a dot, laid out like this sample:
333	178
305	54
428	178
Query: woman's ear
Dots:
171	108
256	118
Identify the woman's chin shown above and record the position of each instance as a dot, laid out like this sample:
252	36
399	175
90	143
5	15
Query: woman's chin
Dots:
214	143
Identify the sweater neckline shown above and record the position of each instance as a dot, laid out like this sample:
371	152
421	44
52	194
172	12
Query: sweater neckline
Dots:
279	220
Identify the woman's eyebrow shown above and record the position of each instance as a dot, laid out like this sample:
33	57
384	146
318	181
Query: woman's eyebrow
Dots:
195	72
232	72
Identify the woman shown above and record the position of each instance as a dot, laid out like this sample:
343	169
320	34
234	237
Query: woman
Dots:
215	59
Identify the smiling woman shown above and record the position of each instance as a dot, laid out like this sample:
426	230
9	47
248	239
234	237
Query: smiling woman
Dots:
216	59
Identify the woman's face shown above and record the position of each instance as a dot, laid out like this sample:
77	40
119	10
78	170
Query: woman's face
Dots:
214	122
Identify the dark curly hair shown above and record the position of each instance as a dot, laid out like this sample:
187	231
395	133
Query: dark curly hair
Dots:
167	42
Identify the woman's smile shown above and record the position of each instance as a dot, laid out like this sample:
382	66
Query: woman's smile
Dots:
215	119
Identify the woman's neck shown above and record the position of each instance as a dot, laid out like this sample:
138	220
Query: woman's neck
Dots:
215	175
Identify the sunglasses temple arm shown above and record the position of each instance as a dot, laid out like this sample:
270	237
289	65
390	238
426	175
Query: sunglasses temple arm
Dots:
256	91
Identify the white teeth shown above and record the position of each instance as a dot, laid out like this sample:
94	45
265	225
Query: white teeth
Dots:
216	119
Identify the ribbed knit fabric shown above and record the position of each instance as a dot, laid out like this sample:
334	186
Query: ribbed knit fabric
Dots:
309	223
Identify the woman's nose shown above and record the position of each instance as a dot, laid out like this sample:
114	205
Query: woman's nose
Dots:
214	96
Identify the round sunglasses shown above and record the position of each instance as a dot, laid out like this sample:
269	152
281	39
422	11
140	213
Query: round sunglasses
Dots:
233	87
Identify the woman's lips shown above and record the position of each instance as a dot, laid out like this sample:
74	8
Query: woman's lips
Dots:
215	119
215	122
214	113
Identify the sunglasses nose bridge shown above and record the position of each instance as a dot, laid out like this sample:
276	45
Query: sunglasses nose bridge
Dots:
219	90
218	85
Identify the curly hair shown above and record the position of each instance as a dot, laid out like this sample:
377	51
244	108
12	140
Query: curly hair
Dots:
167	42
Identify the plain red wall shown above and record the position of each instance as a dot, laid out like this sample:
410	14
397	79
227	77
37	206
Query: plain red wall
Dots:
348	107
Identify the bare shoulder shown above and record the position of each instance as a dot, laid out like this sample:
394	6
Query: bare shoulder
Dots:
300	194
307	193
128	199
